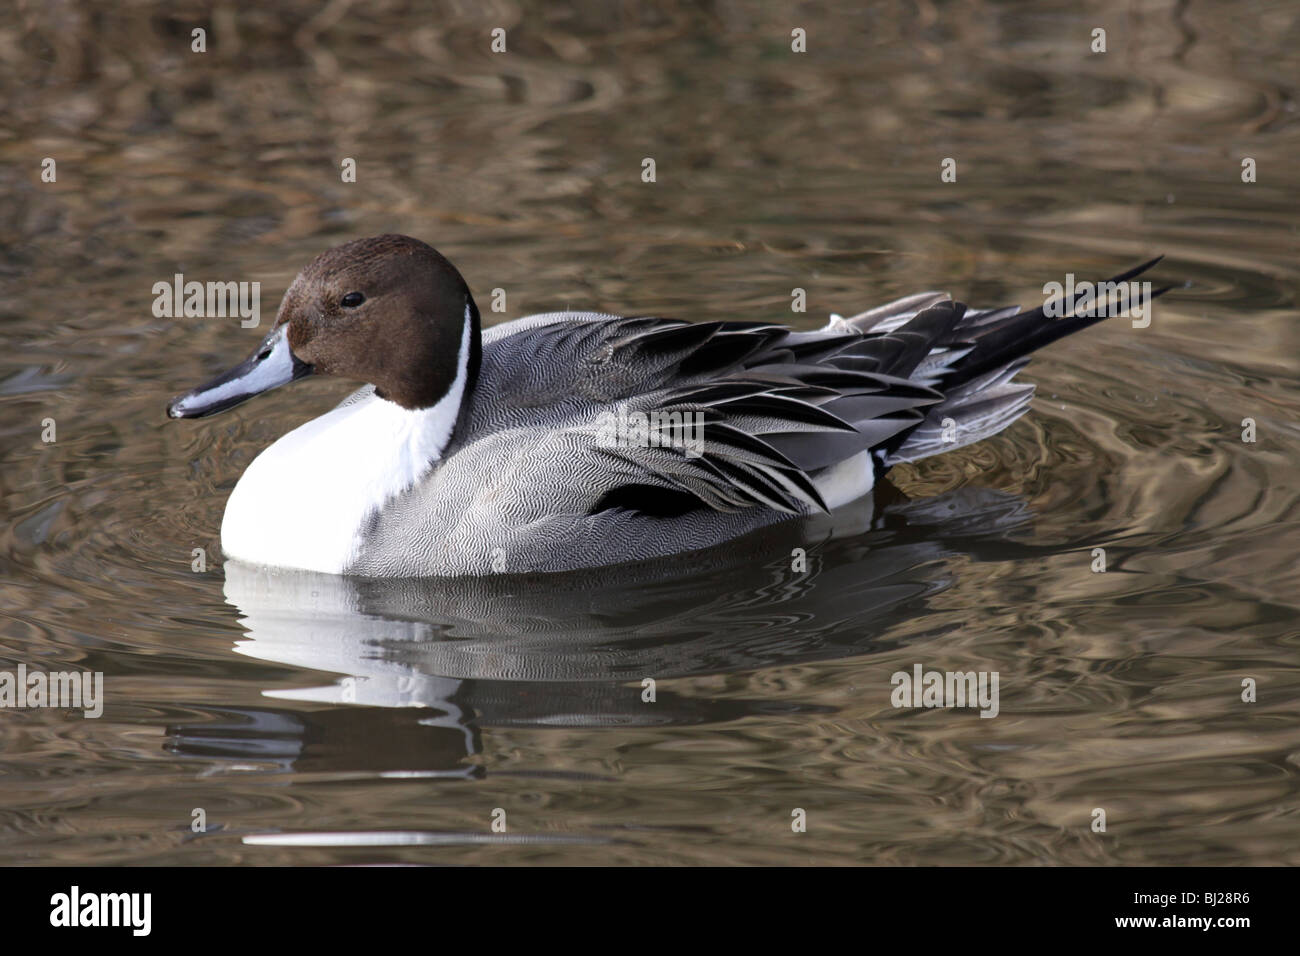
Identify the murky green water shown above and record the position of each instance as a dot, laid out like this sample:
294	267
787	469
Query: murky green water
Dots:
319	721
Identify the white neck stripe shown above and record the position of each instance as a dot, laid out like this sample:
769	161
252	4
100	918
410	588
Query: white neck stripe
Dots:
443	415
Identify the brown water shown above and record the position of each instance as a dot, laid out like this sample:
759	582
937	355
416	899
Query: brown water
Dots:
342	721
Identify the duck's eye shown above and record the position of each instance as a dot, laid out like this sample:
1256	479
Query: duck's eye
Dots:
352	300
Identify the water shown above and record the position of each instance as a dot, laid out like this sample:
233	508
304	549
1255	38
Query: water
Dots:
327	721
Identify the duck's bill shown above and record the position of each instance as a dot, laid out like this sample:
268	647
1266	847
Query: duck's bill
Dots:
273	364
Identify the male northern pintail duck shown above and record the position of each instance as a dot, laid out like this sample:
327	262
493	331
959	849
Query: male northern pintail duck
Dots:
577	439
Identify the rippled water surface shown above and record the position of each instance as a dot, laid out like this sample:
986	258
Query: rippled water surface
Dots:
319	720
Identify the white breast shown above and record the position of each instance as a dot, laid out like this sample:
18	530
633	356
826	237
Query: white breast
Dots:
303	502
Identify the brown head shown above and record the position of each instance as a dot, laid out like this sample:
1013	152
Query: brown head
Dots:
388	310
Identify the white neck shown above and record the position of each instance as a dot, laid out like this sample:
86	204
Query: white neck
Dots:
304	502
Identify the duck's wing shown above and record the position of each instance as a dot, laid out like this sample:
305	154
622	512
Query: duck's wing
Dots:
733	414
782	414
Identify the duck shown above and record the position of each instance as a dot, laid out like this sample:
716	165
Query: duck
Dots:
578	440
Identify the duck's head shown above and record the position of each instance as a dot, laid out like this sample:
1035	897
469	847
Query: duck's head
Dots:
387	310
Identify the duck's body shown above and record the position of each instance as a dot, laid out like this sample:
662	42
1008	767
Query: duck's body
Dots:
524	448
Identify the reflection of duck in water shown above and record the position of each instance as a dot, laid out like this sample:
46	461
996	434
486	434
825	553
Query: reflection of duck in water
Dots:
576	440
428	662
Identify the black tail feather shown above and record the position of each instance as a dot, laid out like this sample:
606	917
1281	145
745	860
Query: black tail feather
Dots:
1016	336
